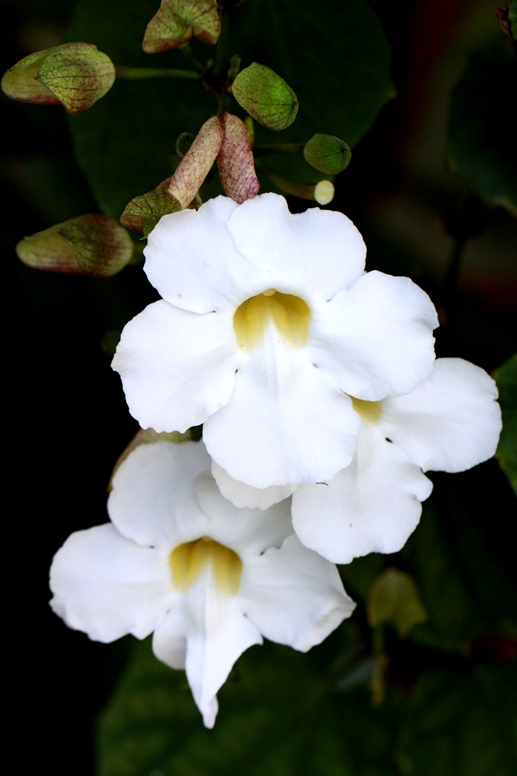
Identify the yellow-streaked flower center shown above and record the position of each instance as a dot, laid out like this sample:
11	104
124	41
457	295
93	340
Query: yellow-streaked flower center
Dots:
289	314
370	411
187	560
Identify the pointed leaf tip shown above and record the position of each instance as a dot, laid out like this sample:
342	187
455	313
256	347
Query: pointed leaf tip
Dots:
265	96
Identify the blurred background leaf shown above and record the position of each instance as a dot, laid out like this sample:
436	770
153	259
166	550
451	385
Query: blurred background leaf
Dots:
483	127
506	379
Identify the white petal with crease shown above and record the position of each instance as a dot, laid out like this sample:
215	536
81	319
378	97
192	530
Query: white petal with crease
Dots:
371	506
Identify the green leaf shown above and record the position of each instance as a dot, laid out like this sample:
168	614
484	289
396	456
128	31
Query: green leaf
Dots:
265	96
178	20
88	245
327	153
506	454
394	598
483	128
452	614
277	715
464	725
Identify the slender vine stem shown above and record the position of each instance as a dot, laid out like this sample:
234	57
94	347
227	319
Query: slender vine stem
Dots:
137	73
187	52
278	148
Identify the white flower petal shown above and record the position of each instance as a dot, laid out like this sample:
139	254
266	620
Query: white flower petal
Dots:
311	254
450	421
107	586
244	530
294	596
217	633
243	495
286	421
177	367
371	506
152	500
191	259
375	338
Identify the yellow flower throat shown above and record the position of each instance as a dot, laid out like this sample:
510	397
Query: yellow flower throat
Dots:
187	560
289	314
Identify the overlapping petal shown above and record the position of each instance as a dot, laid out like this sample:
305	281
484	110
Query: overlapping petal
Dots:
107	586
193	262
294	596
450	422
216	634
243	495
286	422
178	367
374	338
314	254
152	500
371	506
245	530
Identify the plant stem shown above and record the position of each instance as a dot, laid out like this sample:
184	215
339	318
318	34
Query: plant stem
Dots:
222	41
278	148
186	50
136	73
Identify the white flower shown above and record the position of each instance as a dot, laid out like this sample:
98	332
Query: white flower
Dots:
267	321
450	422
208	578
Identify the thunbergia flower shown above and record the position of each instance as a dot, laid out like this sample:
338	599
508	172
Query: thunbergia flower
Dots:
450	422
209	579
268	324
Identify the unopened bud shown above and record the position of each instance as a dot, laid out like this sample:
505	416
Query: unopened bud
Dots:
265	96
88	245
197	162
143	212
322	192
327	154
235	161
73	74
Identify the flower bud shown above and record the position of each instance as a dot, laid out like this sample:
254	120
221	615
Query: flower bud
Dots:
88	245
196	164
143	212
178	20
265	96
73	74
235	161
327	154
